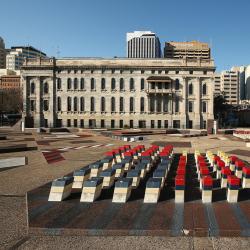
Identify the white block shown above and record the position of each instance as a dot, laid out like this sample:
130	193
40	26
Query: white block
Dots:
179	196
206	196
232	195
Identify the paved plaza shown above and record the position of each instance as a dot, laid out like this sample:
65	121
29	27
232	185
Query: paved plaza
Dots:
57	156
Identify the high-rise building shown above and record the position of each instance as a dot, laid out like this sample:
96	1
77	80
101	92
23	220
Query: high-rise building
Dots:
192	49
247	81
2	54
227	82
143	44
16	56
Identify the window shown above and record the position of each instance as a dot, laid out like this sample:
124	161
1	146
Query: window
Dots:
75	104
59	104
190	124
176	124
190	89
103	104
142	84
68	123
32	88
69	103
59	83
191	72
165	123
45	105
142	104
82	83
75	123
131	123
45	88
121	123
159	123
112	104
92	84
131	84
112	123
158	105
204	107
121	104
165	104
69	82
152	123
204	89
176	105
152	105
32	105
177	84
190	106
82	104
92	104
102	123
113	84
82	123
75	83
103	84
121	84
131	104
204	124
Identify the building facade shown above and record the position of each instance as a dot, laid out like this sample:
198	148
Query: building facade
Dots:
118	93
2	54
192	49
143	44
17	55
10	82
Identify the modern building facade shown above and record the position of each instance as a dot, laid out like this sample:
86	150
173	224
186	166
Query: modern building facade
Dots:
2	54
17	55
117	93
192	49
143	44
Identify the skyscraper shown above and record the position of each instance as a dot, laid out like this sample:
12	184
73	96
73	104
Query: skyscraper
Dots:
2	54
143	44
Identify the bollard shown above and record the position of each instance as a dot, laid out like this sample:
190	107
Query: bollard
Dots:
225	172
80	176
179	188
61	188
108	176
246	177
95	169
107	162
153	189
119	169
233	184
220	165
92	189
142	167
233	158
127	161
135	175
238	168
122	190
207	186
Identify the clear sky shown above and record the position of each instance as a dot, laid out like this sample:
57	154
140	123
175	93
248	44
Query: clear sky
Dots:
98	27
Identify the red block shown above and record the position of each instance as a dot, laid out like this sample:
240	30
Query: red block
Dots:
164	153
145	153
233	158
226	171
109	153
204	171
216	158
128	153
179	180
202	164
246	170
233	180
239	164
181	171
221	164
207	181
126	146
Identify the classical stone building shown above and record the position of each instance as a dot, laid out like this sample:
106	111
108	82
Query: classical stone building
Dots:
117	93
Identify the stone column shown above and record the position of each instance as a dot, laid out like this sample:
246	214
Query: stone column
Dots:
38	111
197	110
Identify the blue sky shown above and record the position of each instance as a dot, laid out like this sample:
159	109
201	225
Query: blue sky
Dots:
98	27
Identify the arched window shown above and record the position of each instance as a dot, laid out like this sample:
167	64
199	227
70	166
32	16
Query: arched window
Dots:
103	108
69	82
190	89
112	104
69	103
204	89
121	104
131	84
32	88
45	88
92	104
82	83
177	84
121	84
142	104
92	84
59	104
103	84
75	104
113	84
59	83
82	104
142	84
131	104
75	83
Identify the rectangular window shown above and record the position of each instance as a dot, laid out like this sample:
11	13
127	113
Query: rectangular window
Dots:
190	106
166	124
75	123
152	123
190	124
177	105
45	123
176	123
68	123
159	123
82	123
102	123
112	123
121	124
204	124
204	107
131	123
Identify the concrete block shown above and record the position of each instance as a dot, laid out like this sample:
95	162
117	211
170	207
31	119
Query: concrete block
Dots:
13	162
153	189
233	188
161	174
179	189
119	169
80	176
141	167
206	196
108	176
92	189
246	177
122	190
127	161
135	175
61	188
179	196
107	162
95	169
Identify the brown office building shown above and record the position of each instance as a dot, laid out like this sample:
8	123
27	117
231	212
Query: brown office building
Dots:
10	82
192	49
